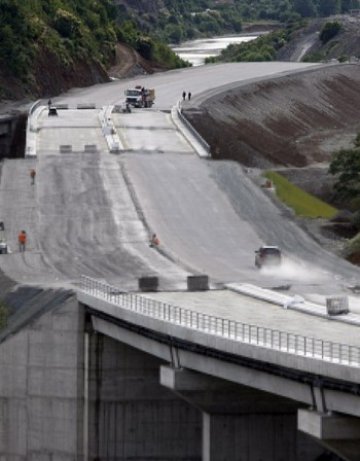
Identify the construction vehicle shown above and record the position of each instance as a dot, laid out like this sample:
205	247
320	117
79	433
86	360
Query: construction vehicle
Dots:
140	97
267	256
3	244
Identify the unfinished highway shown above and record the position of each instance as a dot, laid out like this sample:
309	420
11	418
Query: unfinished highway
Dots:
91	213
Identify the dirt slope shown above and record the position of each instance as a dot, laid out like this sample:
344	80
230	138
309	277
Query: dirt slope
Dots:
295	120
306	42
129	63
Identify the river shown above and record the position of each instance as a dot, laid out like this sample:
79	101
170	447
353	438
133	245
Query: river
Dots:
195	51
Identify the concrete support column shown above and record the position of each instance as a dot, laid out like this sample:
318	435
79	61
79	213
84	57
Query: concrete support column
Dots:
239	422
86	397
206	437
338	433
130	415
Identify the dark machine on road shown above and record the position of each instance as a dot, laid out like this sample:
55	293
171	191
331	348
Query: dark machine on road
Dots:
267	256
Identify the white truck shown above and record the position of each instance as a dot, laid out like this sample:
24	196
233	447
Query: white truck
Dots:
140	97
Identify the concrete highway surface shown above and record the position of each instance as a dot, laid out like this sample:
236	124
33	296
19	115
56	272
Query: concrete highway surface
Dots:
92	213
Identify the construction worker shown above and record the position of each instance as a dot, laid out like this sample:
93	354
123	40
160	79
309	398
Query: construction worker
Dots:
32	176
154	241
22	241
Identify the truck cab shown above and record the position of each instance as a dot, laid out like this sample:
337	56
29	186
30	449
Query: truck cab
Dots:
140	97
134	97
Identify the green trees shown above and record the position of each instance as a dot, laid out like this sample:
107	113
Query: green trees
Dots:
264	48
66	28
329	31
67	24
305	8
328	7
346	166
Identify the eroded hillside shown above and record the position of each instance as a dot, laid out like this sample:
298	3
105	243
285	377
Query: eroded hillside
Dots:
293	120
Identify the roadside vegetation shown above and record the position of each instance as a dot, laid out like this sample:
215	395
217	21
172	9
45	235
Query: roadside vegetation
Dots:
293	17
264	48
345	166
302	203
4	315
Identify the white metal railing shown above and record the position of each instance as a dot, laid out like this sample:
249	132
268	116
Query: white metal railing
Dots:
230	329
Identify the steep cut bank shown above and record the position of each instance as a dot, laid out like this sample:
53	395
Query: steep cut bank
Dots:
294	120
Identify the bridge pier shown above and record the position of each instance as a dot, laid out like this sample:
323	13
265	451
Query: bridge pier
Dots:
130	416
239	422
338	433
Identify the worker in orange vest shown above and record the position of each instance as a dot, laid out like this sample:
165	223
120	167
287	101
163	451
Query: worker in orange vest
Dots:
32	176
22	241
154	241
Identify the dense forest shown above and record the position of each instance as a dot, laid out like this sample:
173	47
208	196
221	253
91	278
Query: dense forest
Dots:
59	43
177	20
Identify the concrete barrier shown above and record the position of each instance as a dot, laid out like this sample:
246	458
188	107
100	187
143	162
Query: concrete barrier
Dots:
197	142
62	106
109	130
90	148
198	282
337	305
65	149
149	283
86	106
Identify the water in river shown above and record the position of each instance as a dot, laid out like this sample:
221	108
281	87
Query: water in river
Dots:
195	51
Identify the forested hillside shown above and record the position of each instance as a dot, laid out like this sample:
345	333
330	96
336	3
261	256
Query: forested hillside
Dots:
177	20
49	46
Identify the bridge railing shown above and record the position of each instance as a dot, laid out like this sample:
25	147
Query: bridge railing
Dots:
255	335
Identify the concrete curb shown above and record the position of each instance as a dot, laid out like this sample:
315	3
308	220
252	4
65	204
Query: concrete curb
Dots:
295	303
32	129
109	131
200	146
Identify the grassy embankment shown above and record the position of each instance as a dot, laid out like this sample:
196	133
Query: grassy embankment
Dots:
302	203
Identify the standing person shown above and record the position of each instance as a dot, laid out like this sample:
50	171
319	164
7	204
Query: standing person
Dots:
22	241
184	95
32	176
49	103
189	96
